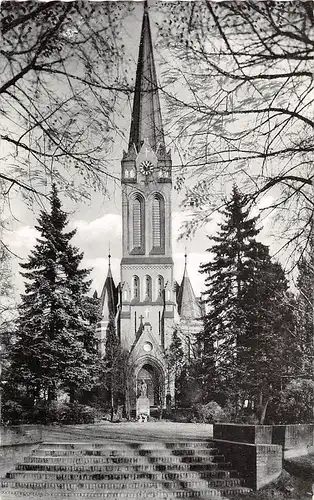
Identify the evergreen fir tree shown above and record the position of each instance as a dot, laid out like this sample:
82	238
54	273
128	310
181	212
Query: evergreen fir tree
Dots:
305	311
244	337
175	361
55	348
116	369
226	277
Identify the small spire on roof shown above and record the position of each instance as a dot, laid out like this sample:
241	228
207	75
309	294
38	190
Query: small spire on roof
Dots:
185	263
188	305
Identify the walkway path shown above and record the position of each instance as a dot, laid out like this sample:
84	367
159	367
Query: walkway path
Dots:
129	431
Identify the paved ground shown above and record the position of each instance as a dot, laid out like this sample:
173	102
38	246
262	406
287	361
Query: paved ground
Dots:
129	431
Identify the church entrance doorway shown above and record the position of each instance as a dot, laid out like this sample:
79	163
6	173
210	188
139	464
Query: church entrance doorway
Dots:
149	375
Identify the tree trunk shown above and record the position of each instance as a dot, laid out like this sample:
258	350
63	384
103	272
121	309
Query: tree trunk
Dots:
262	408
111	405
51	394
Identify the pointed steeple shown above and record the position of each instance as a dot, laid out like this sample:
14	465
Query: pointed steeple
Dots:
146	122
188	305
109	296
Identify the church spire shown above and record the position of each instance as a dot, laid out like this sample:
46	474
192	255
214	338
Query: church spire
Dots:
109	296
146	122
188	305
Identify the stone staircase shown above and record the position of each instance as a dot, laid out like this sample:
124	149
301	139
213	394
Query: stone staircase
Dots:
121	470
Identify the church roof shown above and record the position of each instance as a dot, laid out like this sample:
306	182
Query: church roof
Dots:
109	297
146	122
188	305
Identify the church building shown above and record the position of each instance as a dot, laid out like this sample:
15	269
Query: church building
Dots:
148	305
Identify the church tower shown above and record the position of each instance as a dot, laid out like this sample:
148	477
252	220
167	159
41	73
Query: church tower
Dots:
147	305
147	288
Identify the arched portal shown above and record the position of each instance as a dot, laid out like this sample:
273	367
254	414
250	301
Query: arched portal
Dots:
153	379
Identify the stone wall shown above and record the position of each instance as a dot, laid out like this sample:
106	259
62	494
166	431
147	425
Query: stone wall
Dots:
15	443
258	451
296	439
259	464
255	434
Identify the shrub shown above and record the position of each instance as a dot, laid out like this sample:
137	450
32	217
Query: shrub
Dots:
208	413
293	405
79	414
13	413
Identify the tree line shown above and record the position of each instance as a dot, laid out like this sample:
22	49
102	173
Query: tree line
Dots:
254	346
255	349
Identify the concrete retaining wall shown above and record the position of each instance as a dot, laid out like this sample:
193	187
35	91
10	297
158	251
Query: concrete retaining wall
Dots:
258	451
17	442
296	439
242	433
259	464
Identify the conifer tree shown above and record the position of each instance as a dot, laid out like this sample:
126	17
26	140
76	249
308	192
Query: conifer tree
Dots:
244	339
175	361
305	310
55	348
116	369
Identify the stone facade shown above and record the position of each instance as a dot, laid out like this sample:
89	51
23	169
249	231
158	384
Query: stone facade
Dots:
148	304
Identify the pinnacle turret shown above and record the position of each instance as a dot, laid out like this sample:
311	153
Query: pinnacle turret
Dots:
188	305
109	296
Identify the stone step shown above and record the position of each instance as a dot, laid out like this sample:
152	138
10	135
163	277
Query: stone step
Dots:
188	445
188	476
195	459
122	468
144	466
117	470
107	445
111	460
109	486
84	451
179	452
194	463
129	445
14	493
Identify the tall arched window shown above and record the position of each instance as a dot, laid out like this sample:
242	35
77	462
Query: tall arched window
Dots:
137	223
148	288
160	286
156	222
136	288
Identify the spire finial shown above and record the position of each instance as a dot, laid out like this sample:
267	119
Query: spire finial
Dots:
145	6
109	255
185	257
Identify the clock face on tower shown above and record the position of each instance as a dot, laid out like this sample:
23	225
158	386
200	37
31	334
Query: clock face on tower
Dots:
146	167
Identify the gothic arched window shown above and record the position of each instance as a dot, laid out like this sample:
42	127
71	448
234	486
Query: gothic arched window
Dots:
160	286
137	226
156	222
138	216
148	288
136	288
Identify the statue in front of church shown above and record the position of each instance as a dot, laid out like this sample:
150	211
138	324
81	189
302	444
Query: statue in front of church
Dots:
143	389
142	403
